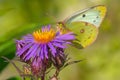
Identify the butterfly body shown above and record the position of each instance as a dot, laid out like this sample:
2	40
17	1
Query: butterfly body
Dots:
84	24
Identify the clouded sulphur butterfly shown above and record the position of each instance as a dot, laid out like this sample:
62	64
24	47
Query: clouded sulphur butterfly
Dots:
84	24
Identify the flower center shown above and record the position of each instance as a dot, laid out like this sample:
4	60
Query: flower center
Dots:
44	36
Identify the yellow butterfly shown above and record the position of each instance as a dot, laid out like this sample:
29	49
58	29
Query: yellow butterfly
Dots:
84	24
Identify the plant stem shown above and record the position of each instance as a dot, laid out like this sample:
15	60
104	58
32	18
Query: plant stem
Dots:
43	77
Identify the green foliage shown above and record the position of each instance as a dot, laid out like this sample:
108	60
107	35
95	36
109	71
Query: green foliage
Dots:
14	78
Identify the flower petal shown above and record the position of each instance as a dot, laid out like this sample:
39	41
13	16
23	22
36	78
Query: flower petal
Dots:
53	50
41	52
21	51
58	40
59	45
19	44
28	38
46	51
67	36
32	51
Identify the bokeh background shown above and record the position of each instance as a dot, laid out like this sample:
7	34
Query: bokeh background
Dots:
102	59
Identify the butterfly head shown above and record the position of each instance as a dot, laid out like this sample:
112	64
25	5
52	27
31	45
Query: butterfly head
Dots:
61	27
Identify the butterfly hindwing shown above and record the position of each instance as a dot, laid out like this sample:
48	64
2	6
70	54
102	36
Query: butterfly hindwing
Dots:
85	33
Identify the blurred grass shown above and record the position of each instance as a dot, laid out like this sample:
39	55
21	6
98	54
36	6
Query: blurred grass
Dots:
19	17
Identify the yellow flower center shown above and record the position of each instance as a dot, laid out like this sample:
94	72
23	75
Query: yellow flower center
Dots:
44	36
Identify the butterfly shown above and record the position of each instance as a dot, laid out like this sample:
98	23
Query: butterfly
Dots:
84	24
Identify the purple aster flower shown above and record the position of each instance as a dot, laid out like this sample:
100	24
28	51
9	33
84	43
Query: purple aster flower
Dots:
43	44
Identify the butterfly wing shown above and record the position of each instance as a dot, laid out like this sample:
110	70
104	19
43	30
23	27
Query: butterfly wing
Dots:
93	15
85	33
85	25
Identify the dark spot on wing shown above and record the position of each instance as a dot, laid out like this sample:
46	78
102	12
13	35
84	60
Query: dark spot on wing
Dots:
83	15
94	20
82	31
97	17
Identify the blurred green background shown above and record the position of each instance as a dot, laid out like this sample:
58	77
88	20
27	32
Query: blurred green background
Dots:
19	17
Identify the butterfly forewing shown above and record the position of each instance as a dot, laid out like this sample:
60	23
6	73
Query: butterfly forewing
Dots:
93	15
